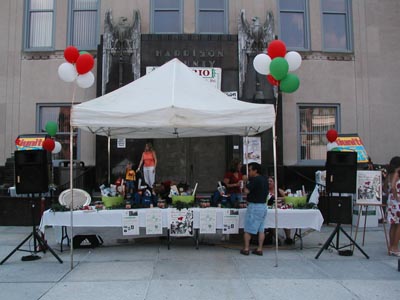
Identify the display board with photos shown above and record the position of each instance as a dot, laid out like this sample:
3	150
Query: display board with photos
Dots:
181	222
369	188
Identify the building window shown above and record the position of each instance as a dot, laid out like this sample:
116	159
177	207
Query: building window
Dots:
39	25
212	16
61	115
336	25
166	16
314	122
83	24
294	24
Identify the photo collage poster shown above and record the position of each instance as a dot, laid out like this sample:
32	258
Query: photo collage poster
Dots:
130	222
208	220
181	222
369	187
230	221
153	221
251	150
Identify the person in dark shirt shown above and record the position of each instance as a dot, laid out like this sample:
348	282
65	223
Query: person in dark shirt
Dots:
257	192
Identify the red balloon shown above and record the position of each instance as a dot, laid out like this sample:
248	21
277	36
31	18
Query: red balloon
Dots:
48	145
84	63
331	135
276	48
71	54
272	80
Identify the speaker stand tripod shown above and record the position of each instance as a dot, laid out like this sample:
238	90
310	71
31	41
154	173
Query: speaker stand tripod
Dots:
37	241
336	232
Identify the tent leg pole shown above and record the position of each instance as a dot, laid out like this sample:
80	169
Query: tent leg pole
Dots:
276	193
109	158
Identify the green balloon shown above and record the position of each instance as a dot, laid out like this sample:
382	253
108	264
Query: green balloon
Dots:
51	128
278	68
290	83
83	52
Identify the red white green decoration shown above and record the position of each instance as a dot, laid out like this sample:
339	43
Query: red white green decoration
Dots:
77	67
277	64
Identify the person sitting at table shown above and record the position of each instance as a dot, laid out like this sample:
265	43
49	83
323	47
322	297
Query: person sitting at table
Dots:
270	234
220	197
233	180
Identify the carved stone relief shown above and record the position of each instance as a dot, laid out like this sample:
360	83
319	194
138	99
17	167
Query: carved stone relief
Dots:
121	40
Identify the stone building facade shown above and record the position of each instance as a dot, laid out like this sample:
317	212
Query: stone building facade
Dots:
348	75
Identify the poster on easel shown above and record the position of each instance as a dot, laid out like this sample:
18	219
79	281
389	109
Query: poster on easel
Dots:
369	188
181	222
153	221
251	150
230	221
208	220
130	222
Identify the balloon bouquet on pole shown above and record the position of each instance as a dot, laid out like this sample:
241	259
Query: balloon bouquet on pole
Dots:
77	68
276	65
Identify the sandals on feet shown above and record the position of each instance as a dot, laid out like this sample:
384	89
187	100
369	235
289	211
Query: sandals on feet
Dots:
394	253
257	252
244	252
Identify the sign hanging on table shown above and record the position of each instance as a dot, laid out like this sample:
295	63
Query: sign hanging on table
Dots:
153	221
208	220
181	222
230	221
130	222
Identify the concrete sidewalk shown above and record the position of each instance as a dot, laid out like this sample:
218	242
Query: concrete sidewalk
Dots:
146	269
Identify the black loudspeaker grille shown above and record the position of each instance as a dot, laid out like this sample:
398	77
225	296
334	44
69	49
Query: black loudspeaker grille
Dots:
31	171
341	172
340	211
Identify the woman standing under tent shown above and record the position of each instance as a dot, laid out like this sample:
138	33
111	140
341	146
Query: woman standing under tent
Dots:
149	162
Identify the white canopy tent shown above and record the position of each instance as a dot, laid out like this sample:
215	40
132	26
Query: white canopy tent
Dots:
170	102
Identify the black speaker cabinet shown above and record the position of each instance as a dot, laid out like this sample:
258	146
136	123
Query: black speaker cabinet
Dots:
339	209
31	171
341	172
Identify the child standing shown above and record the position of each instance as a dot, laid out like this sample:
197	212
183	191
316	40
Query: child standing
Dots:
130	177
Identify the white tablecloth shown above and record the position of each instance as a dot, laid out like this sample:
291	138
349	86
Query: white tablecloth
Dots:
287	218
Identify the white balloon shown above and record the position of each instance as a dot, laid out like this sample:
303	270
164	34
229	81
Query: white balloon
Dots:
57	148
67	72
86	80
261	63
331	146
294	60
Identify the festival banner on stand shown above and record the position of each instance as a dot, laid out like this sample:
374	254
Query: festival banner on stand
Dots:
181	222
208	220
369	187
153	221
130	222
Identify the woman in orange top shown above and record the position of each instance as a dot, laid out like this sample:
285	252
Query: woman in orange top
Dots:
149	162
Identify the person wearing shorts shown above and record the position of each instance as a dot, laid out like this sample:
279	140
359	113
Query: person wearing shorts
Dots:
257	192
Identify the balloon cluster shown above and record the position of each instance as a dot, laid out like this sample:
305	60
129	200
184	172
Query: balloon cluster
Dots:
49	144
331	136
277	64
78	67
